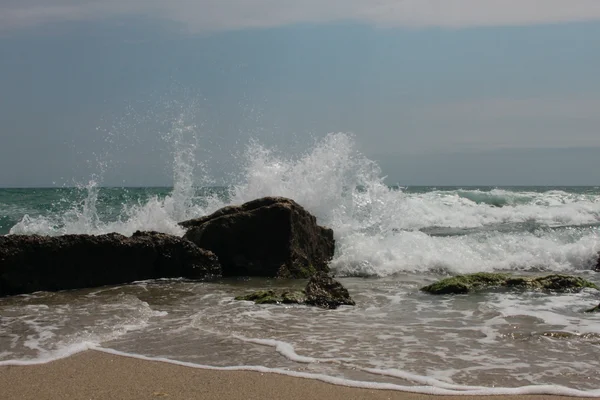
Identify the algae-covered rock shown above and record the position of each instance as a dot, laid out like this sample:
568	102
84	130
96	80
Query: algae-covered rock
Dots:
556	282
558	335
324	291
275	297
468	283
321	291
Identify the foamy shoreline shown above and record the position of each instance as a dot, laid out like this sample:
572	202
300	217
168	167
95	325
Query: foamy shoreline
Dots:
106	375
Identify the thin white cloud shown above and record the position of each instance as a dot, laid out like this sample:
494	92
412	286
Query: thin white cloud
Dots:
543	108
215	15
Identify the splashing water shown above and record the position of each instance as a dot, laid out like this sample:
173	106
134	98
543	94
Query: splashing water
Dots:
379	230
184	140
156	213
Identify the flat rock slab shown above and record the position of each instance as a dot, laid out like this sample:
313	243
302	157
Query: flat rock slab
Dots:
268	237
34	263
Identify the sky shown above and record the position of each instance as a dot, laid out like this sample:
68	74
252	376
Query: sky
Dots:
437	92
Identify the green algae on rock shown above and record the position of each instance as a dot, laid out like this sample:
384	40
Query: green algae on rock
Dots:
321	291
274	297
462	284
466	283
555	282
324	291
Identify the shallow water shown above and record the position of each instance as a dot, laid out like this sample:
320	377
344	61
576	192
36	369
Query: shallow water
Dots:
395	334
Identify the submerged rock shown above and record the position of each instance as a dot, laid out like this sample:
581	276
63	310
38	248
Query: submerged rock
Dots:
593	309
275	297
321	291
465	283
270	237
569	335
34	263
468	283
324	291
555	282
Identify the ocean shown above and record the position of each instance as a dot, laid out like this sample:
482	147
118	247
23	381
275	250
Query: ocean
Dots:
390	241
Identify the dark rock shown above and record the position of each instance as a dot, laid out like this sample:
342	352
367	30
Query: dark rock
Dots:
270	237
34	263
555	283
465	283
468	283
593	309
275	297
598	263
321	291
324	291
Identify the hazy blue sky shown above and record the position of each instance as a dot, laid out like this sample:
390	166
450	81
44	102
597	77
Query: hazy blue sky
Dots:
455	92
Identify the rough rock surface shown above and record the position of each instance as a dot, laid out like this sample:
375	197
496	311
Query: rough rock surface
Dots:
598	263
270	237
468	283
34	263
324	291
321	291
275	297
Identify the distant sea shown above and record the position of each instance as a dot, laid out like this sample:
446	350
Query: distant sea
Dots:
390	241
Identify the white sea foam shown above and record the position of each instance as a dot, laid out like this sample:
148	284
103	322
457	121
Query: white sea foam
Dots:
58	354
285	349
38	332
394	338
362	254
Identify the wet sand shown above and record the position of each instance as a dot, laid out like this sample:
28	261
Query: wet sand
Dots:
98	375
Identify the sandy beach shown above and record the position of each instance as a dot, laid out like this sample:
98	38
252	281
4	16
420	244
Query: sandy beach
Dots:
97	375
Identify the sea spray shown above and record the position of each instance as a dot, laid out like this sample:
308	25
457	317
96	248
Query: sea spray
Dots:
379	230
160	213
184	141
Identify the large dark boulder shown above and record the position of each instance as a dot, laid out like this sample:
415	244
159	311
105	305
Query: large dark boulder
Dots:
269	237
33	263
